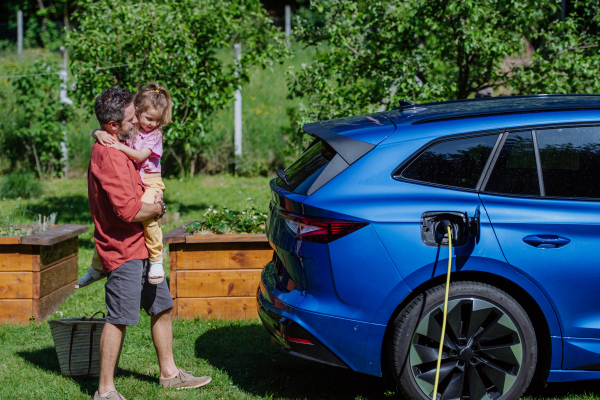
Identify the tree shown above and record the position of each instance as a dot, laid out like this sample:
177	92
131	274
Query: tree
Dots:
370	54
35	130
185	45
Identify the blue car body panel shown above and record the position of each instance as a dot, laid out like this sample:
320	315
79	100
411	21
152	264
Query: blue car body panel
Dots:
368	128
377	277
559	272
346	292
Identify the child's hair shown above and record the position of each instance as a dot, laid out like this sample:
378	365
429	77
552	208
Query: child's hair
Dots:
154	95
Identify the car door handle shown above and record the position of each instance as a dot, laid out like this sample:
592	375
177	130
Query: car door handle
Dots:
546	241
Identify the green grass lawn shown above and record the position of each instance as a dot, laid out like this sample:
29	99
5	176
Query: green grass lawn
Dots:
237	354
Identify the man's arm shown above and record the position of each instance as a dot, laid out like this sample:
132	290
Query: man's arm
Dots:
147	211
114	177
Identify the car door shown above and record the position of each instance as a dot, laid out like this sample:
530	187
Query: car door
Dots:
542	200
443	177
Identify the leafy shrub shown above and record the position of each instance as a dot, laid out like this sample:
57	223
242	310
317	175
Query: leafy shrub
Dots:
223	220
20	184
36	124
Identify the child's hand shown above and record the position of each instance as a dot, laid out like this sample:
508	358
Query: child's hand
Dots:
104	138
118	145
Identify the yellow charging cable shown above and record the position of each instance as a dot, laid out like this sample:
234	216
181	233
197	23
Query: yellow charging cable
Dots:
439	361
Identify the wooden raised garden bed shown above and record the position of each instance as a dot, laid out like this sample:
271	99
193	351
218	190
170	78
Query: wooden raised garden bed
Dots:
37	272
216	276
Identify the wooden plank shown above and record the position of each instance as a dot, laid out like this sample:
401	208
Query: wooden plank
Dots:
16	285
227	238
52	301
36	260
174	312
10	239
53	254
16	258
214	283
177	235
224	256
16	311
173	257
35	286
35	310
56	277
222	307
55	235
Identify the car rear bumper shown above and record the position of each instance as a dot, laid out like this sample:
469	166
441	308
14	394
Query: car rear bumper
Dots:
289	335
336	340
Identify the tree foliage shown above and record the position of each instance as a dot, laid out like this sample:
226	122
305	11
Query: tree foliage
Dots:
34	129
370	54
185	45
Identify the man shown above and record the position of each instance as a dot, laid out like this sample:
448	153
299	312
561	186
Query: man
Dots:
114	190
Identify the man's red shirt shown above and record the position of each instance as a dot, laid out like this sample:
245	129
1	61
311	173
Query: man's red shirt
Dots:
114	191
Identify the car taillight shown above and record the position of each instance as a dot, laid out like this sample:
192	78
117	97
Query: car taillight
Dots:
320	230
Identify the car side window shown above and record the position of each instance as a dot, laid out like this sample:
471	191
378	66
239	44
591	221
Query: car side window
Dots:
515	171
457	162
570	160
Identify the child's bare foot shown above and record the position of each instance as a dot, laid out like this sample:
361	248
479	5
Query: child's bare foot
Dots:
156	274
91	276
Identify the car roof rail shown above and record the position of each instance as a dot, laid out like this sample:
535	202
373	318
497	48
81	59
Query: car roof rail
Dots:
439	118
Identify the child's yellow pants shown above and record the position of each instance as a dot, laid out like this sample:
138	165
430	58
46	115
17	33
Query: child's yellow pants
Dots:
152	231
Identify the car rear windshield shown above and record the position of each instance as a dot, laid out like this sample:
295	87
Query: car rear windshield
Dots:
306	169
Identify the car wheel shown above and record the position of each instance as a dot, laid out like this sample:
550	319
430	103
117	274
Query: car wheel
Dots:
490	348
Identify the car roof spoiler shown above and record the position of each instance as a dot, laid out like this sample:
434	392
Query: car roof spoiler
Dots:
349	149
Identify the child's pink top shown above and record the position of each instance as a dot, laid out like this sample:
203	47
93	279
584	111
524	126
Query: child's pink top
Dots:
153	141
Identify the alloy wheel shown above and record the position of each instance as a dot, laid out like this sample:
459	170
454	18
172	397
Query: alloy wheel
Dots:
482	351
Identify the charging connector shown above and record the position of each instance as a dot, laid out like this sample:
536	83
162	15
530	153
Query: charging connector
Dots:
447	224
434	223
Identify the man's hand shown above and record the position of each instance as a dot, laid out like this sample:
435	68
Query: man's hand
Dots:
148	211
158	197
104	138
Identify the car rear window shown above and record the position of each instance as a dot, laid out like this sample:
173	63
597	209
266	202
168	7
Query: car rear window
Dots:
570	160
306	169
458	162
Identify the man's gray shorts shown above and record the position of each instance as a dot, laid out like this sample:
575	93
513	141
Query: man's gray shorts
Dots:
127	288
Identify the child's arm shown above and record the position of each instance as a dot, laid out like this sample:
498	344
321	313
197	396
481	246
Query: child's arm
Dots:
139	156
103	137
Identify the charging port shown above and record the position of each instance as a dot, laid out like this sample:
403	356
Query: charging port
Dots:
433	227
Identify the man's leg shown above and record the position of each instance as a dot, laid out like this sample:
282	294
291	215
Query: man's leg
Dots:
122	297
110	345
157	302
162	336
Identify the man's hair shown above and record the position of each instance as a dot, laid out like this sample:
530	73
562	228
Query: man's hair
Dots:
110	105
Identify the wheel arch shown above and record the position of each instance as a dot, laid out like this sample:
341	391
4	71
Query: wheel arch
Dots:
529	304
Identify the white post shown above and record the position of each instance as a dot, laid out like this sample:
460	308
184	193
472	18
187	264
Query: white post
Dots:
288	21
64	98
63	75
238	104
20	32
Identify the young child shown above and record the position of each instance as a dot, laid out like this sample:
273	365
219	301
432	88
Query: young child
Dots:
153	110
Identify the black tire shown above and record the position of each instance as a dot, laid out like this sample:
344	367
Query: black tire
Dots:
481	348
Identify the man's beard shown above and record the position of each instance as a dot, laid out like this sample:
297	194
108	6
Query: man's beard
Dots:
123	136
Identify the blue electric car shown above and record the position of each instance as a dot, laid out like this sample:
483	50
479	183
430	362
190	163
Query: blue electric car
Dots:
358	273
